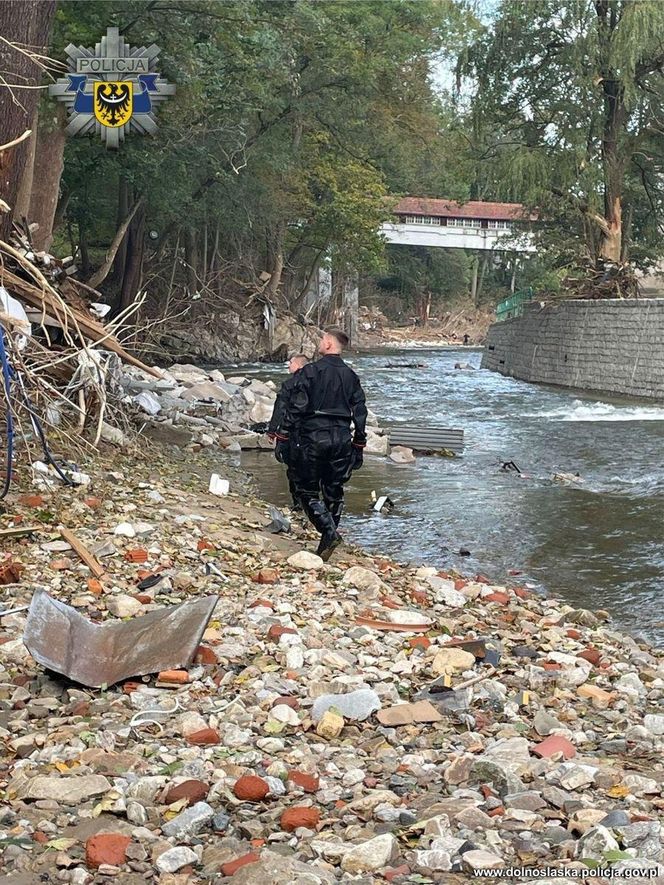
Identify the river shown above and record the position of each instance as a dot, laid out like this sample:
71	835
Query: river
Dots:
596	543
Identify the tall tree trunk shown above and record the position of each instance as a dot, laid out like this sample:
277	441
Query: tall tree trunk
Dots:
48	166
614	170
22	204
613	134
26	23
191	256
131	282
473	284
276	260
125	196
83	248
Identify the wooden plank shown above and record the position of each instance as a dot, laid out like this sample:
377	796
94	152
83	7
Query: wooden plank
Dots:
20	530
83	553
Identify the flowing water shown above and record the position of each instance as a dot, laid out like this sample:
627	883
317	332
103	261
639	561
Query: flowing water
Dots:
596	543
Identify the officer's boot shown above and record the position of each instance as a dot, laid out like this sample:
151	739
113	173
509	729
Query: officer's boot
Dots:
336	509
322	519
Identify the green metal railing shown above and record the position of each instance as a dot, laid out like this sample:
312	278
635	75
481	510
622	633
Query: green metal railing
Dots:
513	306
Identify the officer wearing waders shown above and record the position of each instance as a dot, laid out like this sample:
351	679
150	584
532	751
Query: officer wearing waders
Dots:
294	365
315	436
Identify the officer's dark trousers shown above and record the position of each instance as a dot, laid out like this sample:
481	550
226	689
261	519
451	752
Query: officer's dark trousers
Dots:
321	465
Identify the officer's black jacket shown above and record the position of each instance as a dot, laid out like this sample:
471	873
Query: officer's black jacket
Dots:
324	392
283	396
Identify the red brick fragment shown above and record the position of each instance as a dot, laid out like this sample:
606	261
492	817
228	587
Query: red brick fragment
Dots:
497	596
276	631
106	848
204	737
138	555
419	642
176	677
230	868
293	703
31	500
262	603
392	873
573	634
192	790
251	788
266	576
591	654
307	782
299	816
205	655
555	743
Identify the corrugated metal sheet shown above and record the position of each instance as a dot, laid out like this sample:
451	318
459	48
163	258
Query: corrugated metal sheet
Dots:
429	438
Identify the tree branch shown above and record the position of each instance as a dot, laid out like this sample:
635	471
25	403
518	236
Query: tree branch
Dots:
100	275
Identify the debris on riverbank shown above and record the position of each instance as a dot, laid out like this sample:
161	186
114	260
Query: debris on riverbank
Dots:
355	721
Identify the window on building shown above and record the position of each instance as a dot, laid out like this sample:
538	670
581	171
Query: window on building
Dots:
463	222
421	219
499	224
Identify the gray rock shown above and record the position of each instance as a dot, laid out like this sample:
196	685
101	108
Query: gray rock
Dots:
493	772
220	822
545	724
595	842
644	836
67	790
616	818
275	869
189	822
481	860
356	705
370	856
530	800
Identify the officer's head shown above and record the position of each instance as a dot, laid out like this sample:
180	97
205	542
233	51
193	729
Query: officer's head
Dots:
296	362
333	341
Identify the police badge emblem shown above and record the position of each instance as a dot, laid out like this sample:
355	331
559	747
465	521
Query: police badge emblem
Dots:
112	90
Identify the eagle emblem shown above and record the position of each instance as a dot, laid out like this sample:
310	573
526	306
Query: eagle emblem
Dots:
113	102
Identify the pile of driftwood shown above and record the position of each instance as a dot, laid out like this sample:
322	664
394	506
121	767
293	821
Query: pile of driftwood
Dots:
605	280
58	359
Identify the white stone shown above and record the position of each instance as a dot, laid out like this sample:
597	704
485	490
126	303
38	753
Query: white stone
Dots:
123	606
654	722
112	435
175	858
363	579
370	856
451	660
402	455
408	616
284	713
376	445
305	560
482	860
125	530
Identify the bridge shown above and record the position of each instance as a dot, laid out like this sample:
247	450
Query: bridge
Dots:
475	225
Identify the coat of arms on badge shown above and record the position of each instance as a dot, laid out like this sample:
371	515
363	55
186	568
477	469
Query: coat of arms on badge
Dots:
112	90
113	102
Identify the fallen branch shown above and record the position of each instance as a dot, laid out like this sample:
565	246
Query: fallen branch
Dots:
82	551
100	275
11	144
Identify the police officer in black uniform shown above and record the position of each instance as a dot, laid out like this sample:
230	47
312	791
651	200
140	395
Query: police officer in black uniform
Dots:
315	436
294	365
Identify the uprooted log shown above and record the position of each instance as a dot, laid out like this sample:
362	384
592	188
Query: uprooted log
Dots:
45	299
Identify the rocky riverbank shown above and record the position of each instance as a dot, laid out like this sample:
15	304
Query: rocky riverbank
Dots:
359	721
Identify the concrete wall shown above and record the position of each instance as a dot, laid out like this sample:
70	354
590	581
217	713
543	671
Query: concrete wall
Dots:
613	346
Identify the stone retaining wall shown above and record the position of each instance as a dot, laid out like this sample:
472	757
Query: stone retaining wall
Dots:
614	346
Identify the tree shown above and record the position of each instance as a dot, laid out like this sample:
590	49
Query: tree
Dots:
24	26
572	95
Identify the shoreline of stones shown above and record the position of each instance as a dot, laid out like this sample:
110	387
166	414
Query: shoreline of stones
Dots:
356	721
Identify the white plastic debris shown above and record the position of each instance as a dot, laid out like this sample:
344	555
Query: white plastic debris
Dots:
148	402
219	486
